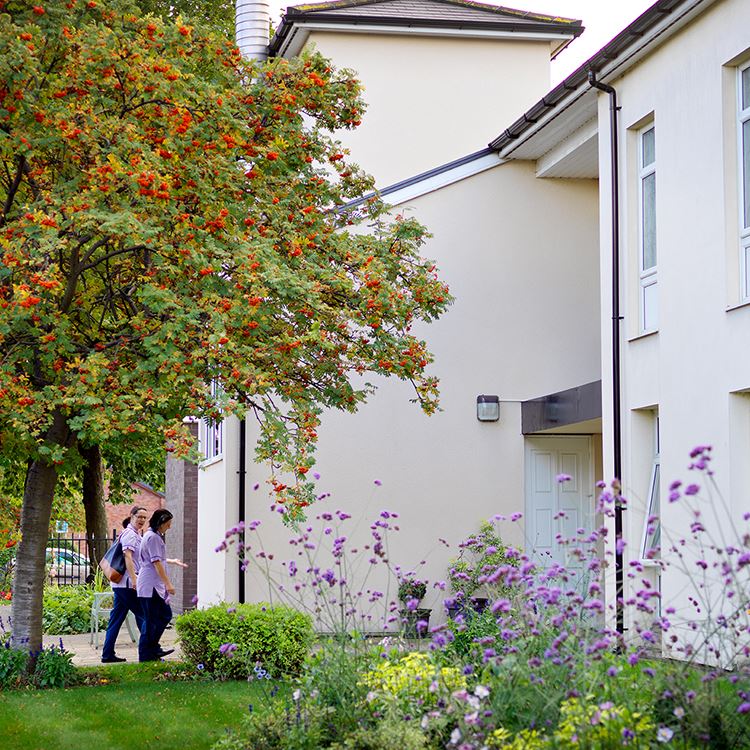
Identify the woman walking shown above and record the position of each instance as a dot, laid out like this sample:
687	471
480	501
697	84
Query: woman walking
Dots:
125	596
154	586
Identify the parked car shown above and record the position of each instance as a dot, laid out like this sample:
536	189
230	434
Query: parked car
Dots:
66	566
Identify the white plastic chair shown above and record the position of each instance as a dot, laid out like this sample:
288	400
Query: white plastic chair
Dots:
101	606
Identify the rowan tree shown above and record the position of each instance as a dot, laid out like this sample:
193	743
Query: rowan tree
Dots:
176	240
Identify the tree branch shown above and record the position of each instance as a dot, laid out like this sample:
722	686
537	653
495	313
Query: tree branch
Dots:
106	257
13	189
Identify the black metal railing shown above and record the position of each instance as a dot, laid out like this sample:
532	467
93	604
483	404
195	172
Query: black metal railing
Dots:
70	560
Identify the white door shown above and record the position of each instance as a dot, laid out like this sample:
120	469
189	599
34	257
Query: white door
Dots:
556	510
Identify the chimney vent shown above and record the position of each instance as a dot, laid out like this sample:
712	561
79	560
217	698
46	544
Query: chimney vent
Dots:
252	20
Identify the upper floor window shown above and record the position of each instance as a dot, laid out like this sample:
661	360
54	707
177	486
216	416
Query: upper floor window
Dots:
744	169
649	300
212	432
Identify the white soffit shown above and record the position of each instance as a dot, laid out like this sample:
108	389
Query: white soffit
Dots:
576	156
563	122
302	29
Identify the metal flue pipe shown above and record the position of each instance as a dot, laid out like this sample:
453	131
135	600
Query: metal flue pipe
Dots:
252	23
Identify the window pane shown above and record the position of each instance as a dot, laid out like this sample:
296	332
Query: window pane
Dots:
746	169
648	187
746	290
649	147
653	532
650	307
746	88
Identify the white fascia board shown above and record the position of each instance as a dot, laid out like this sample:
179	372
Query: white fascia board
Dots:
396	196
297	39
566	147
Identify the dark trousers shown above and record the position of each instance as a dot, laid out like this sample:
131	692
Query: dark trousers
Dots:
157	614
126	600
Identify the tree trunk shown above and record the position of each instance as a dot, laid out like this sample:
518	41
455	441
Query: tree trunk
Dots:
93	504
28	586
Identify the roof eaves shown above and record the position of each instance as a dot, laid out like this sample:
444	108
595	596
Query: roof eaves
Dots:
495	9
595	63
500	25
317	12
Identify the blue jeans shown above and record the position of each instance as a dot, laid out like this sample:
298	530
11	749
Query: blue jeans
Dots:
126	600
157	614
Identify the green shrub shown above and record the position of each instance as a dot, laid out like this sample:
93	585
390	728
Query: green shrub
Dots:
54	668
390	733
277	638
13	663
281	728
7	556
472	636
67	609
480	556
413	683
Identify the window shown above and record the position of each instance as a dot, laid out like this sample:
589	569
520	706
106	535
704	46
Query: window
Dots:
212	438
744	170
649	301
652	525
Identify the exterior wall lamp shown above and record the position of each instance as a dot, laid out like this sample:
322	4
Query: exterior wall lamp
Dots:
488	408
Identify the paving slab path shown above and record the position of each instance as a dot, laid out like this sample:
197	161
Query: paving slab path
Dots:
86	655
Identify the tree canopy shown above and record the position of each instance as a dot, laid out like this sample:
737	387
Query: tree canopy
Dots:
176	239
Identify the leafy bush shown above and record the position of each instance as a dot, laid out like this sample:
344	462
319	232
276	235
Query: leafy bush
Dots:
232	639
277	729
67	609
473	631
7	557
388	734
54	668
481	556
411	588
13	663
413	683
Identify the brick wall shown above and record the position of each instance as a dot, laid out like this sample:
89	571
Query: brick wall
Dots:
182	539
142	495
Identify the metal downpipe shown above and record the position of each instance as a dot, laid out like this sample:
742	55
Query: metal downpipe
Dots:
616	318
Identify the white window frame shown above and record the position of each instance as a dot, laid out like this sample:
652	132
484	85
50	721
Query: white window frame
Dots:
212	433
653	504
743	116
649	316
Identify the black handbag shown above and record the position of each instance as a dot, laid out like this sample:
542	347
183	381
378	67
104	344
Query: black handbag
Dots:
113	563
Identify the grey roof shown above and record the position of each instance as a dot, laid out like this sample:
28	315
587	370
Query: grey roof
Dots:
435	10
445	14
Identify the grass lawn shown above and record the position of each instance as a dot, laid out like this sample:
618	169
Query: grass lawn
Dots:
132	712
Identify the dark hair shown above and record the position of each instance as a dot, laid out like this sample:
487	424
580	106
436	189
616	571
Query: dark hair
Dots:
133	511
160	516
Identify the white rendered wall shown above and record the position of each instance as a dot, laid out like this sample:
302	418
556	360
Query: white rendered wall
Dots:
217	511
432	100
694	367
520	255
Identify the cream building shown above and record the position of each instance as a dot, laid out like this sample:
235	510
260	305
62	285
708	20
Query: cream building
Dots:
681	78
595	377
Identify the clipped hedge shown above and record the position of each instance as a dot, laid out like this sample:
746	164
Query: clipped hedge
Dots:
276	638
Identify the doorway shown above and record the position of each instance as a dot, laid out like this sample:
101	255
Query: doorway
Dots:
556	510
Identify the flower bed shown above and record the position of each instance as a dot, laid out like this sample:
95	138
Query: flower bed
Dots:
539	668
